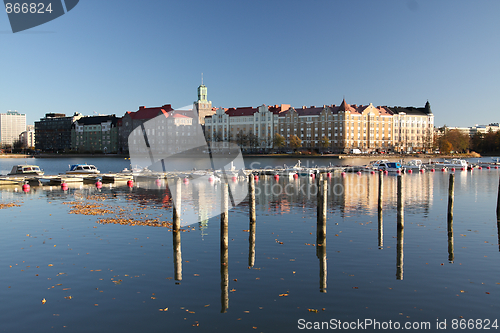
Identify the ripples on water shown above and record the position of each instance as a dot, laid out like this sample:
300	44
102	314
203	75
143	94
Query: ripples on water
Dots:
119	276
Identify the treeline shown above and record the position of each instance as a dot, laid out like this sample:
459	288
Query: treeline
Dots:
457	141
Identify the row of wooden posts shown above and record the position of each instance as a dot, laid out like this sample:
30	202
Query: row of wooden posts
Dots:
322	197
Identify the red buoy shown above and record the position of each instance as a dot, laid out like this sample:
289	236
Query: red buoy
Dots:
26	187
329	174
296	176
359	173
64	186
488	168
277	177
480	168
130	183
432	170
372	172
256	177
422	170
313	175
342	173
234	179
185	180
496	166
452	169
443	169
409	171
158	182
98	184
463	169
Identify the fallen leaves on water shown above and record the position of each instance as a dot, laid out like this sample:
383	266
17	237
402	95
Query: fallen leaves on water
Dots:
165	309
8	205
313	310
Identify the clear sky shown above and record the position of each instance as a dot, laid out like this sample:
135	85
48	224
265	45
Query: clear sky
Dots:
112	56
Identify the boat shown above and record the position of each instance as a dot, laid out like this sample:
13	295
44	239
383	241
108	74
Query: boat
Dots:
414	165
390	167
454	163
25	170
82	169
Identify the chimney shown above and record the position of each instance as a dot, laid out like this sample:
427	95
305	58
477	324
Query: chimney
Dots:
303	106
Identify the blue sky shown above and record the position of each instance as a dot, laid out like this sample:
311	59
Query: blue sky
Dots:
111	56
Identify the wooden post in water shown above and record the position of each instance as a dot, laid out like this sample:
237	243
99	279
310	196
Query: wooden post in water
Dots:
251	245
400	254
177	206
451	198
176	236
401	219
380	230
224	245
451	195
253	219
321	234
251	197
380	216
380	190
498	202
451	243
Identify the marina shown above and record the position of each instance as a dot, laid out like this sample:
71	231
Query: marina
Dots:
400	247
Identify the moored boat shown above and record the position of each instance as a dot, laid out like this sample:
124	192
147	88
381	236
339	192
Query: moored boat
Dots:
82	169
25	170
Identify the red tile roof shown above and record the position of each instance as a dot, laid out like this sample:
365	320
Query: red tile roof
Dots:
150	113
244	111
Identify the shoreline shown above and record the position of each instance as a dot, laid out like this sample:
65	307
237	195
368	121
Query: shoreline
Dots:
338	156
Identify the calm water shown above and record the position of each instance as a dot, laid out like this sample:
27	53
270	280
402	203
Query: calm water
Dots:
99	276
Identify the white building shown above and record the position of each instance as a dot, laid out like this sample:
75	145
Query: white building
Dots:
28	138
12	124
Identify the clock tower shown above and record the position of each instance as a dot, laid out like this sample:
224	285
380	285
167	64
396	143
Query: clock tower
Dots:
203	105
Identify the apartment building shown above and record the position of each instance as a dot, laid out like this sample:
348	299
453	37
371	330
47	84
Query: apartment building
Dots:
12	124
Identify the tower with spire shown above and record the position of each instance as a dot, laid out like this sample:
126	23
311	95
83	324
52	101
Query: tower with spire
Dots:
203	105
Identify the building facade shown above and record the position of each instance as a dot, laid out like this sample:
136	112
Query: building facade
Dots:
27	138
12	124
95	134
339	129
250	128
53	133
132	120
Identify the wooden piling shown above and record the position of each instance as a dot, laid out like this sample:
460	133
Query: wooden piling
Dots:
451	195
177	206
451	242
224	245
400	254
251	197
498	202
321	233
176	236
380	230
400	206
251	245
322	197
380	190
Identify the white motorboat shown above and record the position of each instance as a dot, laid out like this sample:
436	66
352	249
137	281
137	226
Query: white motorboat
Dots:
25	170
82	169
413	165
454	163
